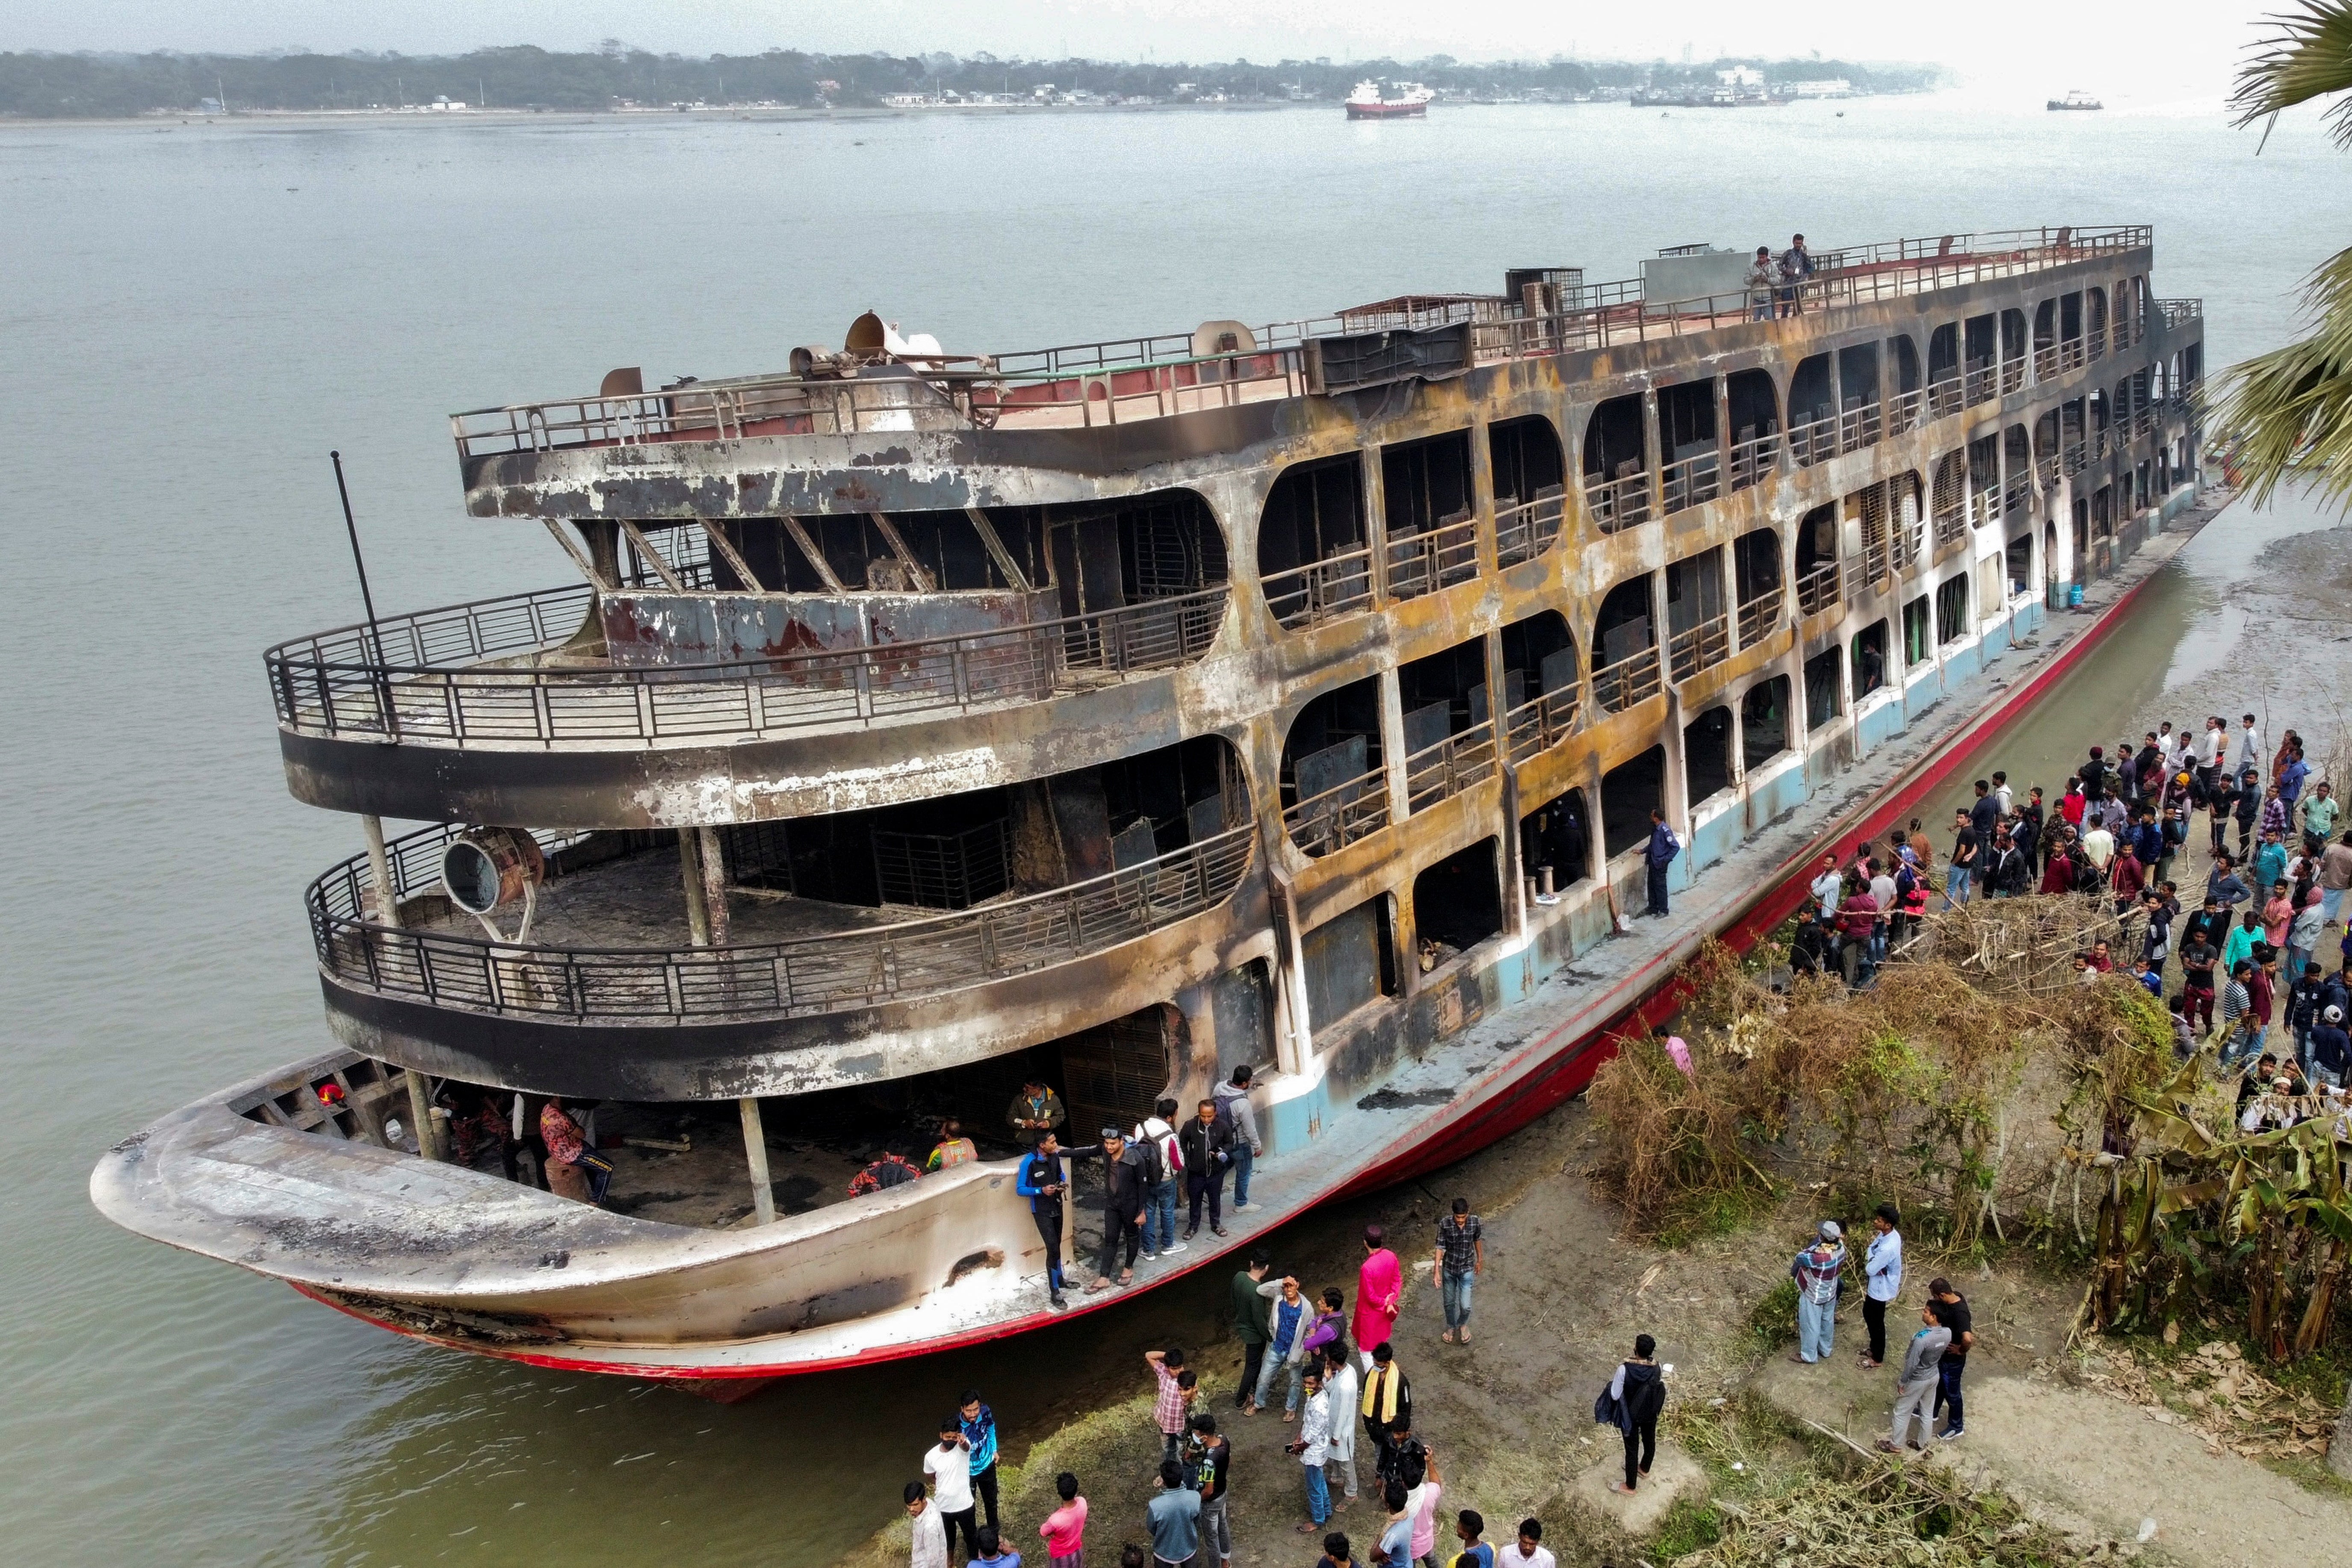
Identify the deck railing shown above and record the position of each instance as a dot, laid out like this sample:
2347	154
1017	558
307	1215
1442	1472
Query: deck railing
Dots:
1904	411
1693	480
2179	312
1951	523
1946	397
1903	545
1858	427
1631	681
1754	459
1617	504
1814	440
1538	724
834	972
1528	529
2045	364
1699	648
1424	563
423	678
2018	497
1817	589
1326	823
2012	376
1156	376
1760	617
1454	765
1321	590
1982	382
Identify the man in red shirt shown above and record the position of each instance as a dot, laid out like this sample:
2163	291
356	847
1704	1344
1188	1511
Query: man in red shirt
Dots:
1857	924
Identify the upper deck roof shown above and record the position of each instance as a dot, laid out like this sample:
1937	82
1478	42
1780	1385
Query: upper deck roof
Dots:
1133	379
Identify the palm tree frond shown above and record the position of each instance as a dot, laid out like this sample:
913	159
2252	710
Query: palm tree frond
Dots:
2289	412
2309	56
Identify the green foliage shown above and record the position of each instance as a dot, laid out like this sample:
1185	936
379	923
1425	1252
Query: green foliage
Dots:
1690	1524
1772	1321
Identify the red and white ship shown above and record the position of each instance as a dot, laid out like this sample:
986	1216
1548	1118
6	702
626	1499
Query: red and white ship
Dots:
1112	717
1378	99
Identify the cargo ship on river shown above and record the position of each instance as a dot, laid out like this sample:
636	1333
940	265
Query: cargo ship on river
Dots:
1115	715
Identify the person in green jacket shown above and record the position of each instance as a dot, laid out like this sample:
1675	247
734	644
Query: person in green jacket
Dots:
1249	1326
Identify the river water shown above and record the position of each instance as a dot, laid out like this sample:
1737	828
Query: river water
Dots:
193	315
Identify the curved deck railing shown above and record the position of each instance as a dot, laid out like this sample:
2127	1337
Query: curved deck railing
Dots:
834	972
426	678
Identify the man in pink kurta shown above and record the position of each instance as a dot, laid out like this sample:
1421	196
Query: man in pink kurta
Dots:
1379	1288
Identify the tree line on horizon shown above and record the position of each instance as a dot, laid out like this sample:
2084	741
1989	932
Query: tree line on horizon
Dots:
65	86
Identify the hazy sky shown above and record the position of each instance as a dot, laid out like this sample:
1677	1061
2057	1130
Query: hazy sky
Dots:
2035	47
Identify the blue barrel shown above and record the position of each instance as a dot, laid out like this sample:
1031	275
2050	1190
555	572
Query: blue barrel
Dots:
2073	595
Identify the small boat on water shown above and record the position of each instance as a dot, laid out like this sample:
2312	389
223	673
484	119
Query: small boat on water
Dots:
1377	100
2075	99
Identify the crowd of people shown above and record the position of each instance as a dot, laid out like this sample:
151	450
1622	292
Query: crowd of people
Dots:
1335	1380
2251	983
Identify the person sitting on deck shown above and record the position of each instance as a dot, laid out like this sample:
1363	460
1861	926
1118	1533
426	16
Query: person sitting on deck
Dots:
955	1148
890	1171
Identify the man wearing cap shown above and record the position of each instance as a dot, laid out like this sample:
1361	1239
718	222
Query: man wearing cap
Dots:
1122	1205
1816	1270
2330	1049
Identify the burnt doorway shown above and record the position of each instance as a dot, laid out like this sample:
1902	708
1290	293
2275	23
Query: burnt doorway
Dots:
1557	836
1458	903
1706	753
1629	792
1764	722
1111	1075
1347	963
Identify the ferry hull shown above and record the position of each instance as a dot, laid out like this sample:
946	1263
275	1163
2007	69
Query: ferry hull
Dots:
569	1324
1386	110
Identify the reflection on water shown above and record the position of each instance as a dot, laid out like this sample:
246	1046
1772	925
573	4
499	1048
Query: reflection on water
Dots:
195	314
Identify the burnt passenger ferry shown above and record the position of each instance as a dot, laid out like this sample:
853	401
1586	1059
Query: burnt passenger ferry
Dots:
1290	695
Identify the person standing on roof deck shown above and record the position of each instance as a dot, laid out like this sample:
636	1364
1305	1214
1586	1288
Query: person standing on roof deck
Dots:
1041	1178
1164	1164
1249	1326
1379	1293
1207	1146
977	1422
1461	1258
1763	280
1657	856
1640	1393
1235	1110
1816	1270
1964	861
1882	1267
1035	1112
1796	265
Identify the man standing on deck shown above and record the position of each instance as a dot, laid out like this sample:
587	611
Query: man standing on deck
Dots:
1123	1187
1237	1112
1380	1289
1796	265
1763	279
1042	1180
1660	854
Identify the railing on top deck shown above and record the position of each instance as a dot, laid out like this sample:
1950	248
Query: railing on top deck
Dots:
1754	459
1699	648
1525	529
2045	364
1982	382
1454	765
1813	440
2098	343
1946	396
1951	521
2179	312
2012	376
1541	722
423	677
2019	496
836	972
1631	680
1156	376
1327	823
1858	426
1321	590
1424	563
1758	617
1904	410
1817	589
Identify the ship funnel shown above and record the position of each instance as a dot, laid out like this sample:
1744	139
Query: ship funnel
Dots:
872	338
487	868
1221	337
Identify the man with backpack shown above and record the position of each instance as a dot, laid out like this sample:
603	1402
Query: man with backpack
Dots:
1163	1168
1660	853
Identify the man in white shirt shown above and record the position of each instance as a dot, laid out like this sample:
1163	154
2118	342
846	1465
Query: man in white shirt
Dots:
2249	753
1882	1279
2212	743
1528	1550
929	1532
949	1464
1827	886
2001	793
1343	1386
2100	845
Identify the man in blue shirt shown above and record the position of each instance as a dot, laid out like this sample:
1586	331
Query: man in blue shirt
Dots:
978	1425
1660	854
1173	1517
1882	1267
1043	1181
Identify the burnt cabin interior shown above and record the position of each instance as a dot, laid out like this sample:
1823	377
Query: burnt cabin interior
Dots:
1629	792
1315	511
1764	732
1526	457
